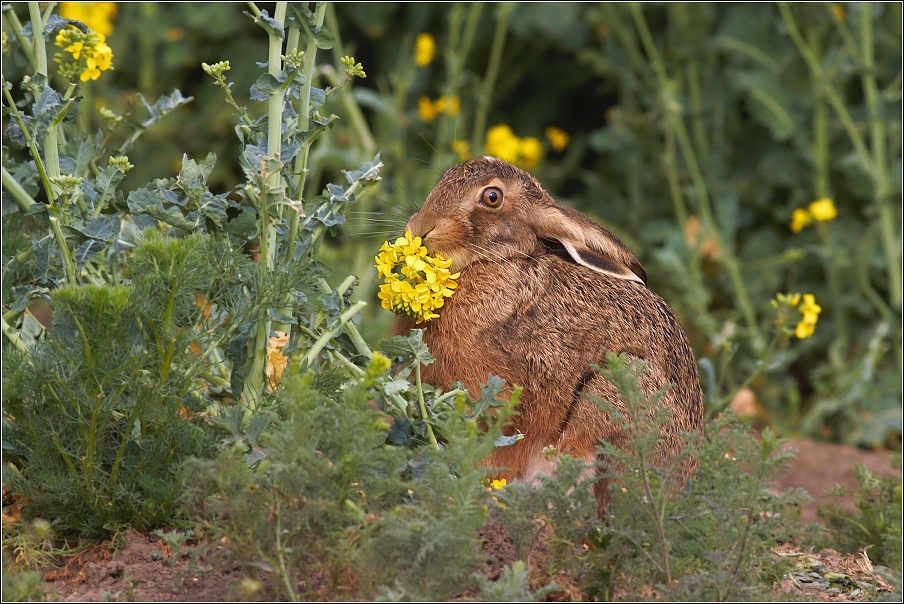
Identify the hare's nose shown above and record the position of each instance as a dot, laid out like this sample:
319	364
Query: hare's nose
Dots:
419	227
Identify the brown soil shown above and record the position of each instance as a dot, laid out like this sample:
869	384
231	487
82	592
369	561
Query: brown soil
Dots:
135	573
820	466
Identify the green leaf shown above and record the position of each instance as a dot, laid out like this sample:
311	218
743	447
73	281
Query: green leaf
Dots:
105	185
164	105
243	226
192	170
396	387
488	395
411	346
270	25
770	103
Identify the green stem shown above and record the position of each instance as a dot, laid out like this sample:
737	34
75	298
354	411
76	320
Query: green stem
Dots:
326	336
27	47
356	117
51	141
674	121
423	406
32	146
68	264
301	160
489	80
821	159
351	329
883	186
284	573
348	364
760	368
256	381
830	92
20	195
13	337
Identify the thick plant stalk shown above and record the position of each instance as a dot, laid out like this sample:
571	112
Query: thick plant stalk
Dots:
16	26
20	196
301	160
51	141
322	341
256	380
13	337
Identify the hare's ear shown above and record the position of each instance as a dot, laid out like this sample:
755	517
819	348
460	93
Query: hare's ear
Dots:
588	243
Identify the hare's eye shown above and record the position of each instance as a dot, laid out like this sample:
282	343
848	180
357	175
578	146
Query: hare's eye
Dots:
492	197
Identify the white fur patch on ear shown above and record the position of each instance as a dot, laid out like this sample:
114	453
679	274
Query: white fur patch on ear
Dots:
596	263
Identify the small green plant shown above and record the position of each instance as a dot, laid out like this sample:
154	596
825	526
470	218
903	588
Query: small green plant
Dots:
512	586
338	502
20	585
173	540
695	526
703	534
877	523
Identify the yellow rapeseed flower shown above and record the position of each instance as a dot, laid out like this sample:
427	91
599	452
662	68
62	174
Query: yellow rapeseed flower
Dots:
91	71
75	49
823	209
428	110
424	50
96	15
498	485
810	311
501	142
425	109
462	149
531	151
559	139
799	219
88	54
416	283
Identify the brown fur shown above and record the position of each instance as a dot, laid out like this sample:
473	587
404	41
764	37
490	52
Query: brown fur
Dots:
527	311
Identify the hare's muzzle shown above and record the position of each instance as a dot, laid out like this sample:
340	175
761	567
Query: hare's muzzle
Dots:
419	226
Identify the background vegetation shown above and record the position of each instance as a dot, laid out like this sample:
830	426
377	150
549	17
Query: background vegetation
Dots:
740	150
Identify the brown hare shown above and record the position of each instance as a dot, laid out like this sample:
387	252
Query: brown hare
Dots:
544	293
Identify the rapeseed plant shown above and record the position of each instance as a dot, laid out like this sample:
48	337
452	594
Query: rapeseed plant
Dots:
96	15
424	50
820	210
501	142
88	54
559	139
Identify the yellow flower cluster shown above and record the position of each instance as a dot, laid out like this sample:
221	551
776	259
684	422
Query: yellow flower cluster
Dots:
559	139
498	485
96	15
428	110
808	308
424	50
502	143
820	210
88	54
417	284
462	149
810	311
